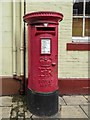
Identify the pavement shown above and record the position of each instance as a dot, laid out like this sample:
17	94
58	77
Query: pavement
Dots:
75	107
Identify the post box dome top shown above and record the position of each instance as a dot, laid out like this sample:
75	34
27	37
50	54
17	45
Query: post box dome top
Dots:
43	16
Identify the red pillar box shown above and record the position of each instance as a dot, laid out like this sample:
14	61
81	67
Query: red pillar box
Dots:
42	90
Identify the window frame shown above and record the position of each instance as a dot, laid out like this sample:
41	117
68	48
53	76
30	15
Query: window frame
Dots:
79	43
83	38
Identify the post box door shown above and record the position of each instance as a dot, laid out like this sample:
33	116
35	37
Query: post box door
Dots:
49	63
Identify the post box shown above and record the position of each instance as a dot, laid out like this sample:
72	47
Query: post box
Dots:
42	93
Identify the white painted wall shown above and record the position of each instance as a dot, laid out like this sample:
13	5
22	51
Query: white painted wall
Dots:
7	37
71	63
6	45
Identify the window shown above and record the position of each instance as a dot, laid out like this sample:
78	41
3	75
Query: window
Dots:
81	21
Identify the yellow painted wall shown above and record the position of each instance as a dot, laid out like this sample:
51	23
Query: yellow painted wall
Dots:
72	64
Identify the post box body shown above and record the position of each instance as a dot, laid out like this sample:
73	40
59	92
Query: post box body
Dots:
43	62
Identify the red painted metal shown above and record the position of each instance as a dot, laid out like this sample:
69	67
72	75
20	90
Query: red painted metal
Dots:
80	46
42	68
43	17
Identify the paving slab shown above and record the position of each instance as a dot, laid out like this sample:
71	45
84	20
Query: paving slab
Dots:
89	111
73	107
0	113
75	100
85	108
6	111
72	112
5	101
61	101
56	116
87	97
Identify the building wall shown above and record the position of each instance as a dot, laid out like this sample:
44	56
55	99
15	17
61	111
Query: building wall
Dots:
7	38
9	85
6	45
71	64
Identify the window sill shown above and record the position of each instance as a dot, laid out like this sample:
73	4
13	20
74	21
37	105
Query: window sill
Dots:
78	46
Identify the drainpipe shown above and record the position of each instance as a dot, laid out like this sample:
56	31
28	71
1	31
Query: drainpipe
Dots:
25	84
14	40
21	78
22	49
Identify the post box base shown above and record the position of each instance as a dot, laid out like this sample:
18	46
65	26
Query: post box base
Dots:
42	104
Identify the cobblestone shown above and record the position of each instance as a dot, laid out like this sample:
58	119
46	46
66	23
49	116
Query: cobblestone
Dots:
14	104
20	103
27	114
14	114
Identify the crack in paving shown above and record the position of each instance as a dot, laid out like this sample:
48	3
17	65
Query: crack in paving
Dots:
64	100
87	99
84	111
